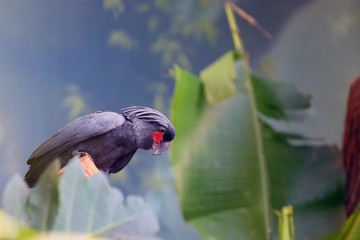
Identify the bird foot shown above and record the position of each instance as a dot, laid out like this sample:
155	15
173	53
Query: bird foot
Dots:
81	155
87	163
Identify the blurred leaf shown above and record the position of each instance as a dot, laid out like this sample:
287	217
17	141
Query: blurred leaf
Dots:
74	102
310	178
198	23
277	99
43	202
170	49
183	60
10	228
153	179
351	229
142	8
217	90
14	198
62	236
121	39
177	19
267	66
204	4
158	89
153	23
90	206
116	6
164	5
205	30
220	178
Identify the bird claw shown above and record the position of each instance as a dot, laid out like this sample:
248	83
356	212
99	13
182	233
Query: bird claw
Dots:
81	155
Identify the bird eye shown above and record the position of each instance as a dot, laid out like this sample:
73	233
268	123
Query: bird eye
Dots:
162	130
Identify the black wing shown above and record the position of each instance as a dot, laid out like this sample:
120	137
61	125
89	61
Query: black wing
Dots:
79	130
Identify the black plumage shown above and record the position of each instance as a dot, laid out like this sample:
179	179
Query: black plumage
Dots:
111	139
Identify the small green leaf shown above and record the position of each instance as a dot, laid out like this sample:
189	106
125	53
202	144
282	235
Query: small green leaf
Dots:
43	202
218	79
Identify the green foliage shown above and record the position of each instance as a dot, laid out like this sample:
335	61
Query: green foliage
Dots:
171	51
10	228
153	23
74	102
351	229
164	5
143	7
116	6
79	205
278	100
167	22
224	69
224	177
119	38
222	197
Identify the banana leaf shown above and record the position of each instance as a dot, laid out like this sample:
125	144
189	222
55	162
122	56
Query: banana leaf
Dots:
232	165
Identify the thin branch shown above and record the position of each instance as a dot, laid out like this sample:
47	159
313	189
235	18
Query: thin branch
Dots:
250	19
264	178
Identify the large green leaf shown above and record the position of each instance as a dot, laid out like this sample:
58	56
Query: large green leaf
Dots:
222	197
90	206
221	152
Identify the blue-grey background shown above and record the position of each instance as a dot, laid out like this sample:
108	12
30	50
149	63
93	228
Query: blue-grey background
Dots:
62	59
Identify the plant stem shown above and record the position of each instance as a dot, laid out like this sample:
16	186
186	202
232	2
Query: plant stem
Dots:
286	223
264	178
233	27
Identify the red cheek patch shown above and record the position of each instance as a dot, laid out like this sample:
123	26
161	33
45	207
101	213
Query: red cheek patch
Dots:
157	136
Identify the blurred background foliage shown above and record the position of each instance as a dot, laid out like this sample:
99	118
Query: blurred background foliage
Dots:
66	58
233	171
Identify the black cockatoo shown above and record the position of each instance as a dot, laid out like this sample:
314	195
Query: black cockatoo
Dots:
109	138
